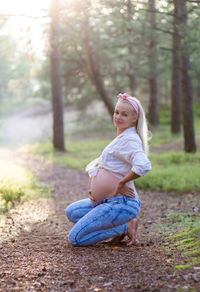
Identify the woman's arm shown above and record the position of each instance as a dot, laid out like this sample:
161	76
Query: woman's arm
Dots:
130	176
121	187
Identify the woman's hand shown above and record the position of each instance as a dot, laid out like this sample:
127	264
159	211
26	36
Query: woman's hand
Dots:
122	189
92	199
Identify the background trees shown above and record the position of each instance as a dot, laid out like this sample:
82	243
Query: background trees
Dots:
146	48
56	77
153	112
117	43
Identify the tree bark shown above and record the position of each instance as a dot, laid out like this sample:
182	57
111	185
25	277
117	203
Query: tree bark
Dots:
56	79
131	73
153	111
176	89
187	107
94	73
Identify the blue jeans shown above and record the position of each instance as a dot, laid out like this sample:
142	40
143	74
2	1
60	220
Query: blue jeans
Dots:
106	220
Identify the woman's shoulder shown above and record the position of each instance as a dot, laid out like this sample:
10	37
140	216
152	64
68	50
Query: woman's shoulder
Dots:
132	137
130	143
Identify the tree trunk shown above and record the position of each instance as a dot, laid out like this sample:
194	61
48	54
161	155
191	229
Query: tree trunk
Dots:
94	71
56	79
187	107
153	111
131	73
176	90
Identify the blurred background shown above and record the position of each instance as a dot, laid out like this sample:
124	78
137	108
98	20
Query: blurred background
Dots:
62	64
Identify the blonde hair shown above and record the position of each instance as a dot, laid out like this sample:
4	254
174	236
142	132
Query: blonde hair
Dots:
141	124
141	127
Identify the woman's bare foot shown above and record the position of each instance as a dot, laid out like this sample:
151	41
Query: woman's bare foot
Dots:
132	232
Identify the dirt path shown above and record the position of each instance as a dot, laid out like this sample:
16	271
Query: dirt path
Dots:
35	254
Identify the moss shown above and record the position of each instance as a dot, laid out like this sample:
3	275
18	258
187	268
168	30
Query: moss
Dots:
181	267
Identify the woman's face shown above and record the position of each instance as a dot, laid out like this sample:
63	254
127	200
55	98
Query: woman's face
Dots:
124	116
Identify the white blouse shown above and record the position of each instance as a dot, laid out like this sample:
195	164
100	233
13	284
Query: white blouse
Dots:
124	154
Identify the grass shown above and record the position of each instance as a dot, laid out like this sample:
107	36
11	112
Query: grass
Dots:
181	267
162	136
172	171
78	155
16	184
183	233
188	241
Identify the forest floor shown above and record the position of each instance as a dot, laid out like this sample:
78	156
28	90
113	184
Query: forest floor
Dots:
35	254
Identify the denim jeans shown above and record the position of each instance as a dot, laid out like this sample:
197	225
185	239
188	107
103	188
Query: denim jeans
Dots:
106	220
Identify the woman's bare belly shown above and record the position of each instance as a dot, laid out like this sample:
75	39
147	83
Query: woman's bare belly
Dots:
105	184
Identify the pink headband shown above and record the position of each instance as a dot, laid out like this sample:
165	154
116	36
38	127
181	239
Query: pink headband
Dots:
129	98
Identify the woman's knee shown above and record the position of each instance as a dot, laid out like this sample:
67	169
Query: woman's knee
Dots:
78	209
74	237
69	212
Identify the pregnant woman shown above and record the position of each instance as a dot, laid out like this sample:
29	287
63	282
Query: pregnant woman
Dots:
113	204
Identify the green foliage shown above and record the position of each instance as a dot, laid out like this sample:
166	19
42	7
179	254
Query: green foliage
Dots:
42	73
108	31
14	70
11	195
172	171
18	183
177	158
197	110
165	116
